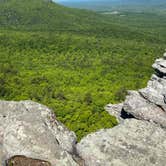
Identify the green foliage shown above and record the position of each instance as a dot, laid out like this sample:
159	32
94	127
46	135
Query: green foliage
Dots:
88	98
76	73
121	94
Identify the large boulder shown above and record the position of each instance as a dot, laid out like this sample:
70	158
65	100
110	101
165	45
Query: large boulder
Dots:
31	129
142	109
160	66
155	92
149	103
132	142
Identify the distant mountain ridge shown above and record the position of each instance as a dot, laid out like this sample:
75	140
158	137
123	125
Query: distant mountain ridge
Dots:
129	2
107	4
45	15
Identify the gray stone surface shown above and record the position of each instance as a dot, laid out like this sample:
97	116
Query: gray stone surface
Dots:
115	110
164	55
155	91
160	66
142	109
131	143
30	129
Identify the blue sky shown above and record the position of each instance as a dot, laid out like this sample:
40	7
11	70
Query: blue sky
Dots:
68	0
62	0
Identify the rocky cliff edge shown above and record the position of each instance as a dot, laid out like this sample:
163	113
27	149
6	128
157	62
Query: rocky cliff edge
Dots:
30	133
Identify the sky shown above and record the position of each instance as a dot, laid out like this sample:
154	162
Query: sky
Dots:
69	0
62	0
90	0
124	1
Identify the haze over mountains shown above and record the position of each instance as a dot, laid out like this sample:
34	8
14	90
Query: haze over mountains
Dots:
109	4
46	15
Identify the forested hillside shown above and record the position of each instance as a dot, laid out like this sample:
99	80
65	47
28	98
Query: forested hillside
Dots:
75	61
44	15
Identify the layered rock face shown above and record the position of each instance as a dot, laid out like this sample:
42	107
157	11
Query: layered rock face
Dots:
148	103
140	138
31	135
30	129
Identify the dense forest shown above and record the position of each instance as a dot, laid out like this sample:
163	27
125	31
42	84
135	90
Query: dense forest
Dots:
75	61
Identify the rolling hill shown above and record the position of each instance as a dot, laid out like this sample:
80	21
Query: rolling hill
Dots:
44	15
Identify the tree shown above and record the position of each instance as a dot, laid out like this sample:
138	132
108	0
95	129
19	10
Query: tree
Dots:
88	98
121	94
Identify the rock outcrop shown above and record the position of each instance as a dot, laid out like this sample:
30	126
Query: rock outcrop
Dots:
142	109
31	129
140	138
30	133
132	143
148	103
